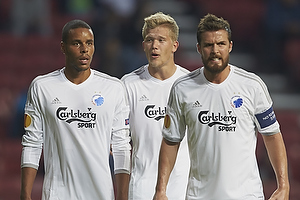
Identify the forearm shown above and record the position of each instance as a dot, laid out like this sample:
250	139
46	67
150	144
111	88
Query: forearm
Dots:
121	151
27	179
167	158
122	184
278	158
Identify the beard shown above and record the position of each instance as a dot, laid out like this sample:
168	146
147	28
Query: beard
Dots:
215	69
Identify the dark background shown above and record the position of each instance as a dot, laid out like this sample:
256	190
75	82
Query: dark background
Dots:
265	33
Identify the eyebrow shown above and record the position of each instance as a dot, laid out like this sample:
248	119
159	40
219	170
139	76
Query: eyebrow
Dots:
77	40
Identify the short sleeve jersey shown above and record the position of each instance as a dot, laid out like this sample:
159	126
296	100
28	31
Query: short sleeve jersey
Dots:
76	124
148	98
221	121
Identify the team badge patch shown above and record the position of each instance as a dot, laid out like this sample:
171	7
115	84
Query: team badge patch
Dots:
97	100
167	121
236	101
27	120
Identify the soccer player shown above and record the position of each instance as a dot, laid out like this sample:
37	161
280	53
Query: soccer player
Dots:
148	89
75	113
221	106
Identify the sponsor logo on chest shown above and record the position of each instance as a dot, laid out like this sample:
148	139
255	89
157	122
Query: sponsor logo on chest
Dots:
84	119
224	122
153	112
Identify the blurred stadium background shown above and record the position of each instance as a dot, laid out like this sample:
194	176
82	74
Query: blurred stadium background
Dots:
266	36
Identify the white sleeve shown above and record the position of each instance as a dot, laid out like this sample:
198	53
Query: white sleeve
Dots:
174	122
120	136
265	118
121	151
32	140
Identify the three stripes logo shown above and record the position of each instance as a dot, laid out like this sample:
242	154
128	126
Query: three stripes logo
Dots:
197	104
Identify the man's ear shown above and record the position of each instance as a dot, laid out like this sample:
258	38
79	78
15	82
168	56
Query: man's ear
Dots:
230	46
62	47
198	48
143	45
175	46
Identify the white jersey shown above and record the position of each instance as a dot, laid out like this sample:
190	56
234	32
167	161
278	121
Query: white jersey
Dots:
148	98
221	122
76	124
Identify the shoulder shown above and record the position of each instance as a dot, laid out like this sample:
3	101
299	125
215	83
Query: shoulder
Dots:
247	77
107	79
182	69
43	79
188	78
134	75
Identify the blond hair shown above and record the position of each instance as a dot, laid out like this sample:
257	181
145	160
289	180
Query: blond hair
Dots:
158	19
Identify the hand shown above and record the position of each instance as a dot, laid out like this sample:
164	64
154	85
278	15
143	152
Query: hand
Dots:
280	194
160	196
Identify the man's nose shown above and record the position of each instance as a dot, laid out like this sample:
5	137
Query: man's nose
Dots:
84	48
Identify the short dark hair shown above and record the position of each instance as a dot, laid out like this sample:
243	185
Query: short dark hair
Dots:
76	23
211	22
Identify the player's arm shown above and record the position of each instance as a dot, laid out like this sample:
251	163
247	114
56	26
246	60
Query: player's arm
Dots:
30	158
122	184
277	155
32	141
121	152
167	158
122	174
27	178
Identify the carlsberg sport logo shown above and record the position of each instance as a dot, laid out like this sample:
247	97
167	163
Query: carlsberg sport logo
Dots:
83	119
224	122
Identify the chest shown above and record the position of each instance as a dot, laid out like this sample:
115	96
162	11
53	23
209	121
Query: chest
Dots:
83	105
226	109
148	100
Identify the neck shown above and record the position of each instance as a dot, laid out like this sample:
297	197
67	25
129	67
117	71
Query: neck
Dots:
162	73
77	77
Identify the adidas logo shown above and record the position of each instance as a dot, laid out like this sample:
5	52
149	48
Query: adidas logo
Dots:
197	104
55	101
143	98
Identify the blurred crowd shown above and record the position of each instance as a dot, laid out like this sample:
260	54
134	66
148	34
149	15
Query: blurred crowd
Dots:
116	24
267	29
